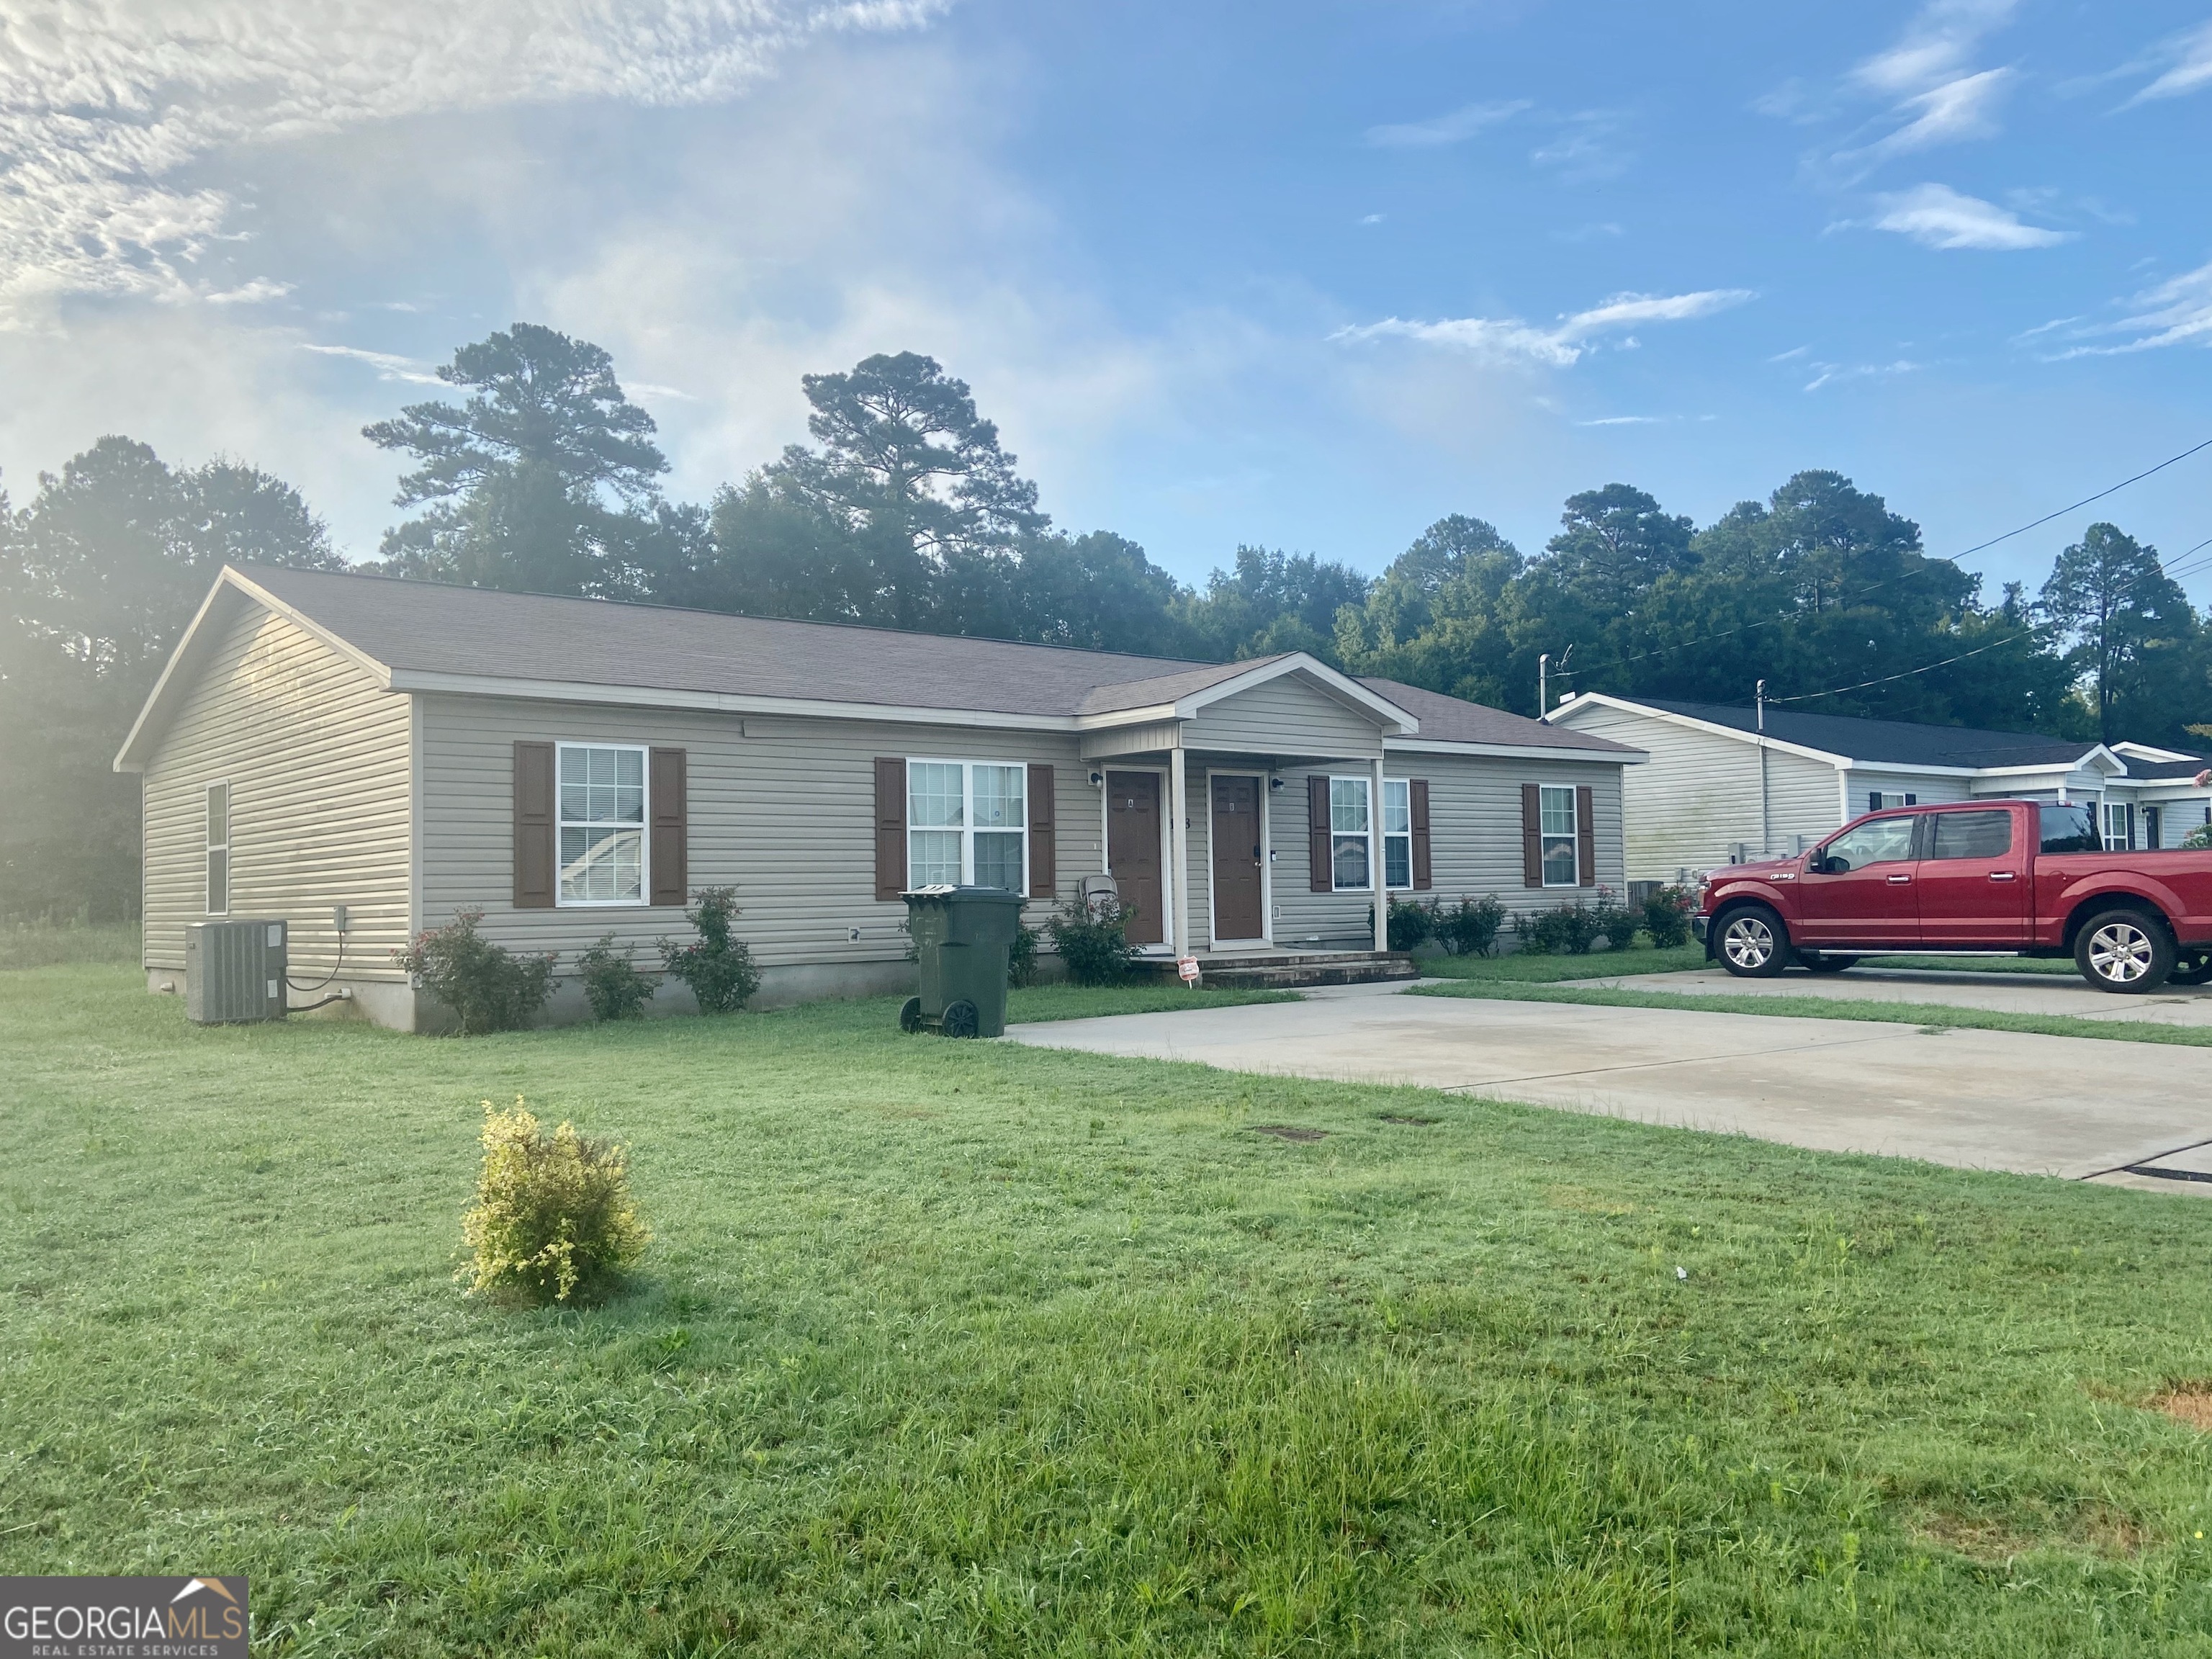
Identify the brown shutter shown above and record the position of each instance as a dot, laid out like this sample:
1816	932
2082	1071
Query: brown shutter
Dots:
671	827
1044	877
1321	872
533	826
1417	797
890	828
1586	834
1532	835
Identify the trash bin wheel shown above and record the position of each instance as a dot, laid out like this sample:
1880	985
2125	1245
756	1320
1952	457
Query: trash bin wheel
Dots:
961	1020
910	1014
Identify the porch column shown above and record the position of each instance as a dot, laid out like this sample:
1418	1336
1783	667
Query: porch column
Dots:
1186	941
1375	859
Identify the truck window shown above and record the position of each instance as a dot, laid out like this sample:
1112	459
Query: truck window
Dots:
1972	834
2070	829
1878	840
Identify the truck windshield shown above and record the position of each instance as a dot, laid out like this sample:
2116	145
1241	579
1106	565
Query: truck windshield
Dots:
2070	829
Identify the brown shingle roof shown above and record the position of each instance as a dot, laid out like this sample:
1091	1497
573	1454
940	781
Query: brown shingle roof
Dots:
1453	720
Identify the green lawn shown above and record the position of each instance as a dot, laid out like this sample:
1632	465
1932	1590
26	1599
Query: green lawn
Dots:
39	944
2063	966
959	1348
1528	968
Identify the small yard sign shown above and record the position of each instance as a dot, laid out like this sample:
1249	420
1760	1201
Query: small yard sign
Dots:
1188	966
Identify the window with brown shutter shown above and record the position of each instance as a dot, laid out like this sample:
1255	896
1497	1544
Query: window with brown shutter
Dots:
1586	834
671	827
1417	790
890	827
1044	877
1531	834
1321	876
533	826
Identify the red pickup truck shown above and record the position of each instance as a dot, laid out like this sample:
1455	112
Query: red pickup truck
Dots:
2026	877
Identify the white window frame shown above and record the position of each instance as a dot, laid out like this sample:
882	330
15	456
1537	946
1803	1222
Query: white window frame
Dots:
1573	833
2122	839
644	827
1888	800
968	830
1404	786
210	849
1366	884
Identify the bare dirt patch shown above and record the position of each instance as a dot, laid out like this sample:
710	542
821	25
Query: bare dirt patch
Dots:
2095	1526
1288	1131
2187	1402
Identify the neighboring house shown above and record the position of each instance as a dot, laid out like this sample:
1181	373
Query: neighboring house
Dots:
1719	788
573	766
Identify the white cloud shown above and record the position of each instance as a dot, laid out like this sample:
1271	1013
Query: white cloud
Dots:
1586	151
2189	70
1829	373
2178	312
1949	113
1937	216
106	105
388	366
1935	47
1629	420
1561	345
259	291
1461	125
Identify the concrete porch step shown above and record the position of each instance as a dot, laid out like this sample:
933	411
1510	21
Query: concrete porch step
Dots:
1284	970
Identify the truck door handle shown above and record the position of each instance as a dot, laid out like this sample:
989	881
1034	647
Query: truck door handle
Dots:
1900	881
2001	875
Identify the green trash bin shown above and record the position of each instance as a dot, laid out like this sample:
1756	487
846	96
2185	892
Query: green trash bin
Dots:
962	935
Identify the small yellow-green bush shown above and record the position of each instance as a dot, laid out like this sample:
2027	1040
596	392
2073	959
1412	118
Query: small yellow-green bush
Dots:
553	1215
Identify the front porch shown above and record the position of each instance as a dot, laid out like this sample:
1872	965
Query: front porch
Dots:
1265	968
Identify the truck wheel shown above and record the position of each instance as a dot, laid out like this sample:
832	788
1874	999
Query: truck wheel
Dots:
1824	963
2125	951
1753	945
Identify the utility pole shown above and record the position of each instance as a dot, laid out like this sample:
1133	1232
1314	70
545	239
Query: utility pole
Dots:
1543	684
1765	816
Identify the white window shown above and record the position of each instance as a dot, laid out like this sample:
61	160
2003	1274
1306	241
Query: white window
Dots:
1397	834
1559	833
1347	835
2119	826
601	816
1880	800
967	824
218	849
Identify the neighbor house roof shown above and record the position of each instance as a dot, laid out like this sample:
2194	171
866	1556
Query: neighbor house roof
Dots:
1453	720
425	637
1903	744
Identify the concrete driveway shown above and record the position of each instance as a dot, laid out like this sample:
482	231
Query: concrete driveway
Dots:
2024	994
2074	1106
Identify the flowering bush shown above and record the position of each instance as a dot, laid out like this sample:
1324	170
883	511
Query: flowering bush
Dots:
489	988
612	983
553	1217
1093	941
717	967
1470	928
1666	914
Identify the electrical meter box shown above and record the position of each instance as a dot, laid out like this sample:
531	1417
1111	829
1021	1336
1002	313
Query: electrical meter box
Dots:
234	971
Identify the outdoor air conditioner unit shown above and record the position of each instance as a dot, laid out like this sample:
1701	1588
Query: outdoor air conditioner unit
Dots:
233	971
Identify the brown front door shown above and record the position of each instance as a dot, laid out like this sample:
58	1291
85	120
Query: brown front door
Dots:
1237	856
1132	851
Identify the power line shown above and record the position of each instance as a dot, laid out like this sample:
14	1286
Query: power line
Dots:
1939	558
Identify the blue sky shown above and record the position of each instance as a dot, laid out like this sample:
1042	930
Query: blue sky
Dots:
1307	275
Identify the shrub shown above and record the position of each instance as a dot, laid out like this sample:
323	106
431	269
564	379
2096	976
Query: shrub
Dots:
719	968
1093	941
2199	838
612	983
1562	929
1667	913
1411	921
1612	921
488	989
1022	956
1470	927
552	1217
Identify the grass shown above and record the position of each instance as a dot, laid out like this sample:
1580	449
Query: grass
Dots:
1528	968
1042	1002
43	944
971	1348
1923	1014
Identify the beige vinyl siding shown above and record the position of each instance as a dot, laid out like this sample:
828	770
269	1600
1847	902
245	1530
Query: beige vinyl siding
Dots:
1305	918
1802	799
316	755
1925	790
787	819
1288	715
1690	803
1474	824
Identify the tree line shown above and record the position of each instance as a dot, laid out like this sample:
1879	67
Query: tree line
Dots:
906	511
